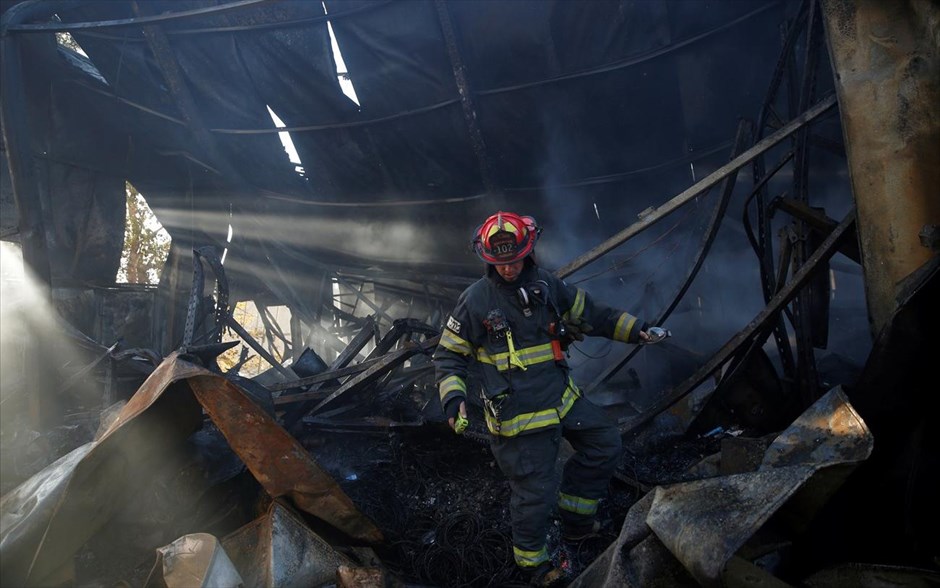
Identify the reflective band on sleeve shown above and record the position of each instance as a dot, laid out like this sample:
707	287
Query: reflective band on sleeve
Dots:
576	504
624	326
452	342
529	559
451	384
577	307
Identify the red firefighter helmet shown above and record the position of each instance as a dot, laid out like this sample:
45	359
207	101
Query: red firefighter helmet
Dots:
505	237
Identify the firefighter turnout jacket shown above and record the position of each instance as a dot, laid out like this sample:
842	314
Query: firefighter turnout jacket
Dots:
516	332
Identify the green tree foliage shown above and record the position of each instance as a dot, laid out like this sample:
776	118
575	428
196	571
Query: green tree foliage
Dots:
146	242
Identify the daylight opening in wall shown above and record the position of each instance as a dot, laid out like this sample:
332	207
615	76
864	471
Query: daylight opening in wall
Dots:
272	332
288	144
146	242
66	39
342	73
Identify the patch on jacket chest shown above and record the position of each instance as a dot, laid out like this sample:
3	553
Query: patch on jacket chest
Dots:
496	324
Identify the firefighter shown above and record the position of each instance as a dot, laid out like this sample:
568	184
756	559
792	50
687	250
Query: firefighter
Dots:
515	324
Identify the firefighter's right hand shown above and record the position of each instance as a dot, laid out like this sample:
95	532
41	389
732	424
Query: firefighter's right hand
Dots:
457	415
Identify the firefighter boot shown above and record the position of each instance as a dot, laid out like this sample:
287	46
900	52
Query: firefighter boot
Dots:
576	533
548	576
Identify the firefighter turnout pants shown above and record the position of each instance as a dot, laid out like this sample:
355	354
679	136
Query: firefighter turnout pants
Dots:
529	462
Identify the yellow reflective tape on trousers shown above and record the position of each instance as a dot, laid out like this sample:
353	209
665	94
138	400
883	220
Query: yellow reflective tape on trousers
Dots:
577	307
450	384
529	559
567	399
529	421
452	342
524	422
527	356
576	504
624	326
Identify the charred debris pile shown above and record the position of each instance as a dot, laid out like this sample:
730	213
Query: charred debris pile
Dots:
344	474
757	456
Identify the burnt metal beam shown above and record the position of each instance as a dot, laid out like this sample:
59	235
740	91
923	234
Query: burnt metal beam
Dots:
259	349
886	63
688	194
179	89
763	241
400	328
55	27
388	363
292	417
708	238
314	395
466	93
803	318
818	221
18	144
325	376
752	331
359	295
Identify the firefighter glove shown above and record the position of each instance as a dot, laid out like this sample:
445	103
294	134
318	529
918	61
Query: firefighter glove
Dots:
452	408
577	329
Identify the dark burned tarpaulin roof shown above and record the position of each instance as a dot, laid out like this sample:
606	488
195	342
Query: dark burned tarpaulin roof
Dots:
464	107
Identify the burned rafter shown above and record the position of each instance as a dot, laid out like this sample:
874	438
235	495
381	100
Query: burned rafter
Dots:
691	192
380	366
294	415
170	68
388	363
271	328
400	328
465	91
361	296
708	238
752	333
818	221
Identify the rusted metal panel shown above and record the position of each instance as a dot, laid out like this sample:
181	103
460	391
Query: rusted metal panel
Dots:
278	550
704	523
276	459
349	577
887	72
25	513
110	475
161	415
194	561
828	433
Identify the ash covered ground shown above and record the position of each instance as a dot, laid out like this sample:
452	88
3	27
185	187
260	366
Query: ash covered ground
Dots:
443	504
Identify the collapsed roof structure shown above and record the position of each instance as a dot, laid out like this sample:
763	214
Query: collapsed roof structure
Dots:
759	177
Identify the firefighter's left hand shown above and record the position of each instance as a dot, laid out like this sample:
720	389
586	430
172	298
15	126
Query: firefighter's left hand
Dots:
576	330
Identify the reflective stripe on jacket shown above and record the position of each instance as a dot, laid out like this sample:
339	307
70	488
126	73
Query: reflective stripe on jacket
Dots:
524	386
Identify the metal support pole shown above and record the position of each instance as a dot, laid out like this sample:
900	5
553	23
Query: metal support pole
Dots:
688	194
